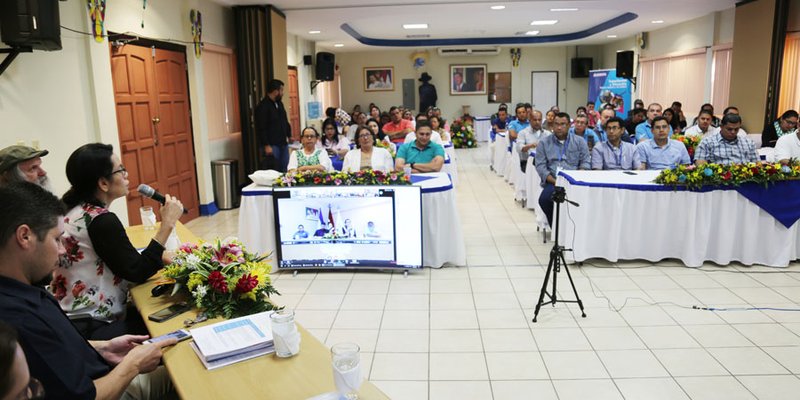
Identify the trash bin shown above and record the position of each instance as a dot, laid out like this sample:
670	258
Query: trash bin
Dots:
225	178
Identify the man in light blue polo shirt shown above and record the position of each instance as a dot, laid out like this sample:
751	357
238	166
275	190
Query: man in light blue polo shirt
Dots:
422	154
644	131
516	126
662	152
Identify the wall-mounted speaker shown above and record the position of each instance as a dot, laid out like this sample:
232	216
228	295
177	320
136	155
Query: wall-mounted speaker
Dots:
308	60
625	64
581	67
325	65
30	23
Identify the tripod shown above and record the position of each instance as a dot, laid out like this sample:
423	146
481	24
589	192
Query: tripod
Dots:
556	261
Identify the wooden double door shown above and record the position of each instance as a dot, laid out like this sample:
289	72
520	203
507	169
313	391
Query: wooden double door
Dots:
153	120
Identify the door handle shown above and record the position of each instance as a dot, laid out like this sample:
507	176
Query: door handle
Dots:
156	120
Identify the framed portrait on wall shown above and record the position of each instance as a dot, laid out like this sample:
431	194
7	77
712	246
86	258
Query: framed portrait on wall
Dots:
378	79
468	79
499	87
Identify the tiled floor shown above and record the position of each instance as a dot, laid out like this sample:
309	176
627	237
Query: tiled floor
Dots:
465	332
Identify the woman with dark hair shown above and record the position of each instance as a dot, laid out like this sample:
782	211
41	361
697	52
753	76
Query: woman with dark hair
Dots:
377	130
310	157
332	142
385	118
367	155
374	112
785	125
436	126
101	264
673	121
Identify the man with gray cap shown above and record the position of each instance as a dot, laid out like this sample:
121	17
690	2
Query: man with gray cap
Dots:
22	163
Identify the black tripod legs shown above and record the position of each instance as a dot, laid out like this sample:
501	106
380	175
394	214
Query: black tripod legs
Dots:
554	266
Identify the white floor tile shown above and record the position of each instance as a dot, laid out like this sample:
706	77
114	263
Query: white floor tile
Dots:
455	341
600	389
523	390
651	389
363	302
404	390
368	287
516	366
768	334
364	338
407	302
455	319
632	364
452	301
710	336
622	338
405	319
451	286
689	362
747	361
495	340
460	390
502	319
574	365
399	367
403	341
714	388
458	366
666	337
561	339
358	320
772	387
789	357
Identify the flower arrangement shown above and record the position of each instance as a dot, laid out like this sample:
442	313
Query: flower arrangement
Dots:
366	177
691	143
695	177
386	145
223	278
462	134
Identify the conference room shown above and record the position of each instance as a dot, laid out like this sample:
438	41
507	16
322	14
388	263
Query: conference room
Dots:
544	199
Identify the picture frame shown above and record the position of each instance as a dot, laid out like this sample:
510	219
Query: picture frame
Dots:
312	214
467	79
499	87
378	79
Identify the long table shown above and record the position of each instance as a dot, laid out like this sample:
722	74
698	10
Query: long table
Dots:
628	217
305	375
442	238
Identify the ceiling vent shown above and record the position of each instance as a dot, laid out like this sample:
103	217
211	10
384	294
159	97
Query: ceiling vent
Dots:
468	51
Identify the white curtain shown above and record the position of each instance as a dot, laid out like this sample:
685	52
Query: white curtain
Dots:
721	77
667	79
219	78
790	73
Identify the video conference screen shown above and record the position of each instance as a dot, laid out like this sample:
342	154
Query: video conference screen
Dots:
330	227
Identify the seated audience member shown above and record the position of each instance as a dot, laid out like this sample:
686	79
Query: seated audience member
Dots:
374	112
677	109
15	379
421	154
436	136
673	121
409	116
23	164
309	158
69	367
517	125
788	148
662	152
592	114
581	110
581	128
371	231
101	264
367	155
615	154
301	233
397	128
785	125
529	138
703	127
500	123
559	150
734	110
726	146
549	116
637	116
347	230
333	143
714	120
605	115
436	127
644	131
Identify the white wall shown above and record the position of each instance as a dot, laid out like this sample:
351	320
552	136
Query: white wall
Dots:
572	92
64	99
296	49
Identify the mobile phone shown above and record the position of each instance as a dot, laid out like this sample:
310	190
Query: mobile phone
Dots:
169	312
629	172
180	334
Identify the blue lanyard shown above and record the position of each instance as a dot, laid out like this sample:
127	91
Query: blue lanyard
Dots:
619	158
563	150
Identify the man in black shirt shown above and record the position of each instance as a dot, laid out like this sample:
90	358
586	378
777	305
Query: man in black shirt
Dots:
272	127
69	367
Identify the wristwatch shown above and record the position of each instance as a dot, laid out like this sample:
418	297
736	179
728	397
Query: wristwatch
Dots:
412	165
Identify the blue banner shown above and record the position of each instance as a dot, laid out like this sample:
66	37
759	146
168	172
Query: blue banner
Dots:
606	88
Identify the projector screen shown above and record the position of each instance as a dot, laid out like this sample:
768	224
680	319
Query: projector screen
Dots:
331	227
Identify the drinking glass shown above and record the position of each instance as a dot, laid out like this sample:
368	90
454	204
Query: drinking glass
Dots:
284	333
148	218
347	369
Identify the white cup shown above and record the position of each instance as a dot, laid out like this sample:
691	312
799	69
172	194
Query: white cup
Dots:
148	218
346	358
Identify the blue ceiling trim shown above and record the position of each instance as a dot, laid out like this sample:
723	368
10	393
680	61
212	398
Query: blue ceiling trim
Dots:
612	23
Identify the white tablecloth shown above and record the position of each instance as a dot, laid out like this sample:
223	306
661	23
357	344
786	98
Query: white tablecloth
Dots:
500	153
482	127
450	166
442	238
631	222
533	189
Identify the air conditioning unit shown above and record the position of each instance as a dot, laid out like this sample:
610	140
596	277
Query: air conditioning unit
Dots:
468	51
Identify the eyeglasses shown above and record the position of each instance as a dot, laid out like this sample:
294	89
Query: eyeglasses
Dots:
34	390
366	135
121	170
310	136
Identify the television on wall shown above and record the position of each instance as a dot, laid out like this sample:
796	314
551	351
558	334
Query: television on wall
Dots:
344	227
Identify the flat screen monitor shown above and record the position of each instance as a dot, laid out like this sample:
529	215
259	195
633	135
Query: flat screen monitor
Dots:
341	227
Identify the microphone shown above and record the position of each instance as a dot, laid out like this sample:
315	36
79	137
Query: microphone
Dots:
147	191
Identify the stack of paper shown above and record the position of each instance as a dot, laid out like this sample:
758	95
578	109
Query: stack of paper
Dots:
234	340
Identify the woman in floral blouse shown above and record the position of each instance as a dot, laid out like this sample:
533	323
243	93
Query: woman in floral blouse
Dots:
100	263
309	158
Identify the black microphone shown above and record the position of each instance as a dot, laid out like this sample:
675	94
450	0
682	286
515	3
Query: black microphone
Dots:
147	191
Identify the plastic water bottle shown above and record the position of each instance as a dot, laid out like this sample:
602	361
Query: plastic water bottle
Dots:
407	170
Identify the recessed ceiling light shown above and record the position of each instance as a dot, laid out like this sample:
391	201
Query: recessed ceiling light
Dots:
415	26
532	33
563	9
498	7
658	21
313	32
545	22
338	45
611	36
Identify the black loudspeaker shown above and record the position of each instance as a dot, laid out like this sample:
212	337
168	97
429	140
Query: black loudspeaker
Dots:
30	23
308	60
325	64
581	67
625	64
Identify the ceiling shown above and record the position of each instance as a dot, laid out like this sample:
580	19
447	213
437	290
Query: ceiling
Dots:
471	20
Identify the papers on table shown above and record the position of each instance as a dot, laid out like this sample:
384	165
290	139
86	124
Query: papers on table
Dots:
234	340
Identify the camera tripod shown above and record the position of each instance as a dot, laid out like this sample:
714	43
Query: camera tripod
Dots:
556	262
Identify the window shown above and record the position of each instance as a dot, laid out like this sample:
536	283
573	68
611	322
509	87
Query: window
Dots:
789	98
721	76
681	77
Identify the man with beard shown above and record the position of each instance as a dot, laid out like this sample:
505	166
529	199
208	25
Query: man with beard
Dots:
23	164
272	128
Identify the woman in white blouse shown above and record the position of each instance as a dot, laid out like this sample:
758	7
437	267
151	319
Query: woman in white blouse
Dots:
367	155
332	142
309	158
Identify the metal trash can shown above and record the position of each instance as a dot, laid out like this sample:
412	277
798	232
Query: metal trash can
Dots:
225	179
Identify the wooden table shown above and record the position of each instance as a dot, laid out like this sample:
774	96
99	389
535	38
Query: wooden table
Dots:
305	375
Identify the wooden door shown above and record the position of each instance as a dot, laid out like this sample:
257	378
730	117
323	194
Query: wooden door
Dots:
293	93
152	104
